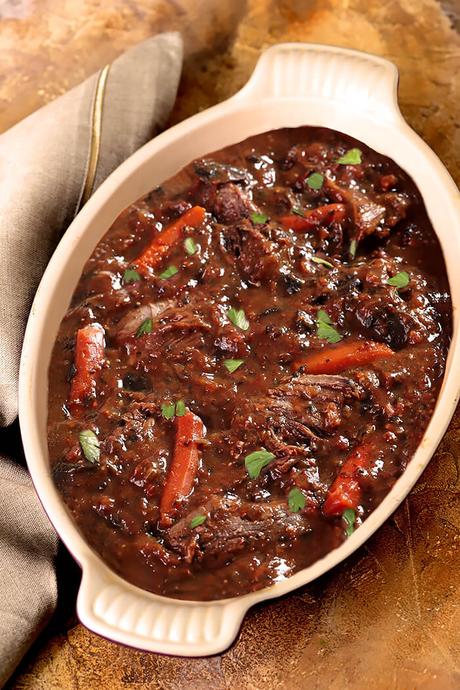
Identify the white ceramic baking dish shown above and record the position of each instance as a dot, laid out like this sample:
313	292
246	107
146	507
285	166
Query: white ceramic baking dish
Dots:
292	85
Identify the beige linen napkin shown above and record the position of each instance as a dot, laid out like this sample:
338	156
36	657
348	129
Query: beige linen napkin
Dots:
50	163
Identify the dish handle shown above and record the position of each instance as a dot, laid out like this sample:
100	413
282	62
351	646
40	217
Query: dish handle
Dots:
113	608
358	80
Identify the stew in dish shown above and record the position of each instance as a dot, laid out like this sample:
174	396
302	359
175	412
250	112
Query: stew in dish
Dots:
249	361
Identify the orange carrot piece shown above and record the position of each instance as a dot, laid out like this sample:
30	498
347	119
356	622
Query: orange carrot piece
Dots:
323	215
332	360
88	361
345	491
162	243
184	465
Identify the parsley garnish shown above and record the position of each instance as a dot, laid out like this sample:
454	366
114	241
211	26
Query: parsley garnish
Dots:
349	518
351	157
145	327
233	364
400	280
324	328
256	461
353	247
190	246
238	318
90	445
298	211
171	410
130	276
197	521
315	180
259	218
318	260
168	410
296	500
169	272
180	408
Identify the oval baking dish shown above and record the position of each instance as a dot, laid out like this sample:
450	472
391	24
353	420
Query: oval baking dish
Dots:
292	85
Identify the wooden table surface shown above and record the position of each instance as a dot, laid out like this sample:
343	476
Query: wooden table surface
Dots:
389	616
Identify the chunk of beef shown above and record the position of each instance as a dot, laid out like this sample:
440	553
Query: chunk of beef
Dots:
370	216
396	205
367	214
131	321
385	323
232	525
303	408
231	203
250	251
224	190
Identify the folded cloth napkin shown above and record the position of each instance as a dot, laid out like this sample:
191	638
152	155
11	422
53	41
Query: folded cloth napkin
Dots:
50	163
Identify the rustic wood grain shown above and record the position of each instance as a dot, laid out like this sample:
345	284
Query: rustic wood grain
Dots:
389	616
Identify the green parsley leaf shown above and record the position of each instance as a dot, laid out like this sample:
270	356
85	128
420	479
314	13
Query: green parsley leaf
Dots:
130	276
351	157
89	443
318	260
190	246
169	272
324	328
168	410
197	521
400	280
298	211
254	462
180	408
296	500
259	218
145	327
315	180
233	364
238	318
349	518
353	248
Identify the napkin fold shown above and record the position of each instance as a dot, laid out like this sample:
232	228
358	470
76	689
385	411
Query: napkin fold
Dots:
50	163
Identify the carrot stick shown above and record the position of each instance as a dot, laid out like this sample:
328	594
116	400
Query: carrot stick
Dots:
345	491
88	361
332	360
162	243
184	466
323	215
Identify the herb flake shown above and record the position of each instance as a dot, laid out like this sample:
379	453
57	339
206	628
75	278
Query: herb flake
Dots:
89	443
238	318
130	276
233	364
298	211
180	408
169	272
315	180
259	218
349	517
145	328
353	248
400	280
351	157
256	461
168	410
323	262
324	328
296	500
190	246
197	521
